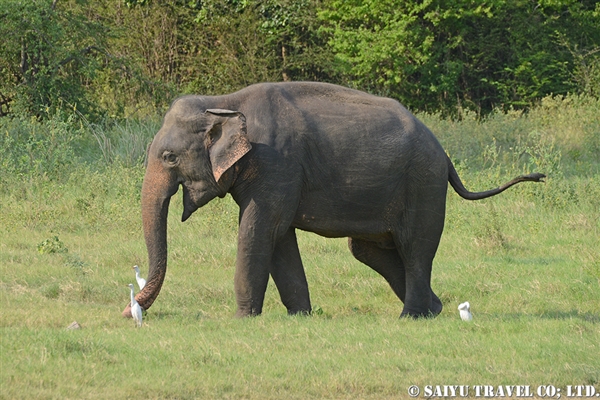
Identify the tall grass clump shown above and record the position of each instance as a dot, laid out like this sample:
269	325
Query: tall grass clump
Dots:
125	141
560	135
34	149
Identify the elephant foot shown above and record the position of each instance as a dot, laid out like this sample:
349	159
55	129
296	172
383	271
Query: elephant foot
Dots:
435	308
300	312
417	315
247	313
436	304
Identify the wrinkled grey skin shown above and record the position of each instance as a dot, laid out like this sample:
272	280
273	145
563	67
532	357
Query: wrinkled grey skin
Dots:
310	156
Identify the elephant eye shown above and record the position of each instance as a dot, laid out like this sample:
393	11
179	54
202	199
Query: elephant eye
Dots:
170	157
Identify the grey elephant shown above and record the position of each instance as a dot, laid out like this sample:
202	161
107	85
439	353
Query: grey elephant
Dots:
310	156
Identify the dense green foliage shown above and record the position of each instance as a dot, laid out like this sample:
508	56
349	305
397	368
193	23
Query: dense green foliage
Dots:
439	54
44	56
131	57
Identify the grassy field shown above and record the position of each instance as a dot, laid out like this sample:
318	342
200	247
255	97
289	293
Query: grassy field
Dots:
528	261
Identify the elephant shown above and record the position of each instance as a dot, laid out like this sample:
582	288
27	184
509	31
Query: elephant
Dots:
311	156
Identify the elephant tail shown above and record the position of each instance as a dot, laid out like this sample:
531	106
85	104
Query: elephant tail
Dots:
458	186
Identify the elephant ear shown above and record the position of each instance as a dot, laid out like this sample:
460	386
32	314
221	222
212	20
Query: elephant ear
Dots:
227	140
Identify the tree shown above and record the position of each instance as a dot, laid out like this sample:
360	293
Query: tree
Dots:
439	54
291	28
240	42
47	55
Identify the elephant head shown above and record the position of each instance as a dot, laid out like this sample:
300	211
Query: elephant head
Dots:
195	149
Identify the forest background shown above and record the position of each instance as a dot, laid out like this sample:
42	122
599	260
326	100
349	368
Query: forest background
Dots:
130	58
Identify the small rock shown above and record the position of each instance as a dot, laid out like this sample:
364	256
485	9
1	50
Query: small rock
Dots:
74	325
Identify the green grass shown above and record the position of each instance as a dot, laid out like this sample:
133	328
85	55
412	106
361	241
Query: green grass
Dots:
527	261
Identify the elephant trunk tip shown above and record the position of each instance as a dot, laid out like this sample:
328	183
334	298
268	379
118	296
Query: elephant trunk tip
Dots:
127	312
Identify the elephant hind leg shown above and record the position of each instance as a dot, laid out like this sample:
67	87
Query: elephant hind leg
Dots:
287	272
417	247
389	264
386	262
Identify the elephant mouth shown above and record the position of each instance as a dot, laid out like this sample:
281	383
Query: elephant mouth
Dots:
189	205
195	195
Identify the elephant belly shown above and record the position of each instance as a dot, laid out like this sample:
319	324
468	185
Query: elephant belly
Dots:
346	216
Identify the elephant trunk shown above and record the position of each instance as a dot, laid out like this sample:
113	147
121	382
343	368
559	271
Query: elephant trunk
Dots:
158	187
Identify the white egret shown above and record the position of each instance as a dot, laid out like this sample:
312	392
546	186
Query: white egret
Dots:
136	310
465	311
140	281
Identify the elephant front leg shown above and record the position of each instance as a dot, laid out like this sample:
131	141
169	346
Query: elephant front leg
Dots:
288	274
262	241
251	274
